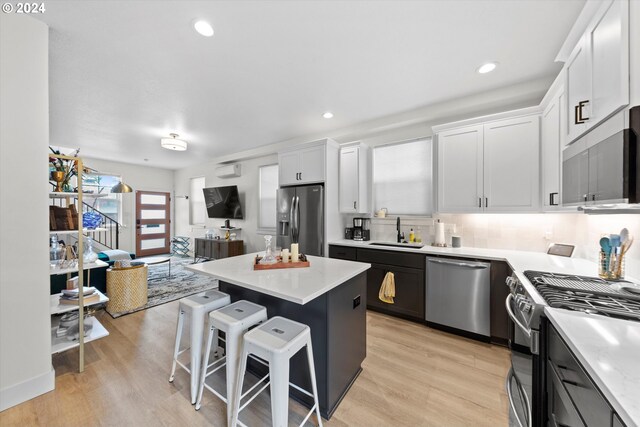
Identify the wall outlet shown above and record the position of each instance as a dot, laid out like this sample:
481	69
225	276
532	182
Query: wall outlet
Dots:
356	301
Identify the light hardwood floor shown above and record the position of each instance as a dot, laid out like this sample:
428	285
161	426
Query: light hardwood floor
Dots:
412	376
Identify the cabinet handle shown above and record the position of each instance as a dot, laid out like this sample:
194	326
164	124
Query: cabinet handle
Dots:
300	176
479	202
579	118
354	205
552	198
586	197
486	202
593	197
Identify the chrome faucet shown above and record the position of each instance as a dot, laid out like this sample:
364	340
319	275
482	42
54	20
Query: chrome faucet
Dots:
400	236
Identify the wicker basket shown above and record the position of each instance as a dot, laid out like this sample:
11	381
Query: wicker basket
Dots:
126	288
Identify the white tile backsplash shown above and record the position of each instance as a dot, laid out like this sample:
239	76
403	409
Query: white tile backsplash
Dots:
526	232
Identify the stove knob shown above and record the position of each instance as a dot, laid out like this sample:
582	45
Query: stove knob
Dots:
524	306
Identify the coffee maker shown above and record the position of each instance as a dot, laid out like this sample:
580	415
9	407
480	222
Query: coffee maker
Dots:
361	228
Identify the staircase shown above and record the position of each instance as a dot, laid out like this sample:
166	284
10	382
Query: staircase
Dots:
110	238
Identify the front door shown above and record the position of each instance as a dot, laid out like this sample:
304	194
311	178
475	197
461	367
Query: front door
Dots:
152	223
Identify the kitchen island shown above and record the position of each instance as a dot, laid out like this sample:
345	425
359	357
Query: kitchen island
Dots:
329	297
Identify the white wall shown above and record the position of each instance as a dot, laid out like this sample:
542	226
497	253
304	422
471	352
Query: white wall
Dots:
25	323
139	178
247	187
399	127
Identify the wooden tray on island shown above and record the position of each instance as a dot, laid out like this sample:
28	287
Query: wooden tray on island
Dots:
302	263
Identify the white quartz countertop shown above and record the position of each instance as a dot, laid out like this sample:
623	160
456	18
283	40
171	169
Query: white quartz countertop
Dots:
298	285
609	350
519	261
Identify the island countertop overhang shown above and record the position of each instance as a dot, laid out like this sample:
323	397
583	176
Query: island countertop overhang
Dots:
297	285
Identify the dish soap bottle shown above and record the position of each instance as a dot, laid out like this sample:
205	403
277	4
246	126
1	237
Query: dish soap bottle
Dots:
412	236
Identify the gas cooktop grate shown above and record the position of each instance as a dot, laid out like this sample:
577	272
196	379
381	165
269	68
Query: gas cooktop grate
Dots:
593	286
586	294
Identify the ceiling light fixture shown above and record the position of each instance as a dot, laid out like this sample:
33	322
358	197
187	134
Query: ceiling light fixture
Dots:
203	28
173	143
328	115
487	68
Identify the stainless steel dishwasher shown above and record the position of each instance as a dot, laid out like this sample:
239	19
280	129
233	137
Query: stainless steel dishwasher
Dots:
457	294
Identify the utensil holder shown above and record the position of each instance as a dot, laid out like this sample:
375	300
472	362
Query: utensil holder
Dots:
611	266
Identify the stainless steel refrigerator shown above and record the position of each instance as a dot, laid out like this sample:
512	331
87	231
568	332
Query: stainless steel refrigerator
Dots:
301	218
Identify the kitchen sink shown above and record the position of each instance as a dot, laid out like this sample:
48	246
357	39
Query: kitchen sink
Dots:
397	245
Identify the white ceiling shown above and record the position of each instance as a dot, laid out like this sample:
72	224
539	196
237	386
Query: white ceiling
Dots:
123	74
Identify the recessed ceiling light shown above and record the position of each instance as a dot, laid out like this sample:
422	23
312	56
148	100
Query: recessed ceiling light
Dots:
173	143
487	68
328	115
204	28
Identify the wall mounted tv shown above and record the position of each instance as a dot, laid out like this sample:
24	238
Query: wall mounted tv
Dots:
223	202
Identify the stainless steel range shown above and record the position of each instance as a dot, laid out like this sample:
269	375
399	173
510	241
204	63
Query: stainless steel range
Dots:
526	379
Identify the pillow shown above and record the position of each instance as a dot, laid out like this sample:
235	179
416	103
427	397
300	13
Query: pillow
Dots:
117	255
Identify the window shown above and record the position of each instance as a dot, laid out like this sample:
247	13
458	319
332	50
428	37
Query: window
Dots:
268	187
402	178
110	203
197	208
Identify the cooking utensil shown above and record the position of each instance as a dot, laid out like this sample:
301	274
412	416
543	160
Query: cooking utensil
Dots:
605	244
623	250
614	240
624	236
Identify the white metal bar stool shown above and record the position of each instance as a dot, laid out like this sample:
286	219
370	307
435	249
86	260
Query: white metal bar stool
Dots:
234	320
276	341
197	306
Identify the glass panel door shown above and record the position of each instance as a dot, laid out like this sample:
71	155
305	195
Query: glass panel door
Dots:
152	223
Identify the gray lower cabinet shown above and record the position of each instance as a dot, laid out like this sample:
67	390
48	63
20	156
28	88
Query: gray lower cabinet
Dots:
409	299
572	398
409	272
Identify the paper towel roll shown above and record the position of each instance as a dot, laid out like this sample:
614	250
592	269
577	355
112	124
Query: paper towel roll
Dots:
439	233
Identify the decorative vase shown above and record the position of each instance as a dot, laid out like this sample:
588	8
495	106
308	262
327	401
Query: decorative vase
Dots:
268	255
89	255
91	220
58	177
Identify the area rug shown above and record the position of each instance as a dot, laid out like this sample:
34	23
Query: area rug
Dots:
163	289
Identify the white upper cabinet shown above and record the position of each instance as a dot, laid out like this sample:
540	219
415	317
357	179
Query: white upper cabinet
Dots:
578	89
288	167
511	166
609	41
302	166
354	179
460	169
551	130
597	71
490	164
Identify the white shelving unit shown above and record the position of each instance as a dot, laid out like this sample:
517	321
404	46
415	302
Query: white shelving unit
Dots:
57	308
58	345
85	231
64	195
88	266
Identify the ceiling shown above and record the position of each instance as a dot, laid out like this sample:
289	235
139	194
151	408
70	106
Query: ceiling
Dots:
125	73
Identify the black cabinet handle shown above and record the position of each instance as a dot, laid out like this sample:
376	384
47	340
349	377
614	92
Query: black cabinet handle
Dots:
354	205
593	197
552	198
479	202
579	118
486	202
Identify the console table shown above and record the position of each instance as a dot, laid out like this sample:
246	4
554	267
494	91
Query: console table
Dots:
217	248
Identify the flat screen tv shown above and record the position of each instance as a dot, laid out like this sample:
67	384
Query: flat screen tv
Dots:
223	202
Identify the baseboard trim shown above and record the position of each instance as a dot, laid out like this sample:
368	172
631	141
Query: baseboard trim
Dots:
26	390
